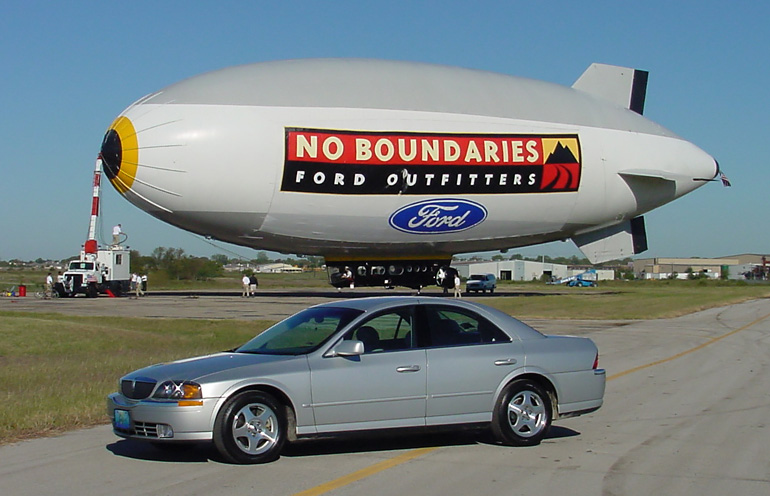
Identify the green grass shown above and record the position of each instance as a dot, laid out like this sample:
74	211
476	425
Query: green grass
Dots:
160	282
55	371
232	282
620	300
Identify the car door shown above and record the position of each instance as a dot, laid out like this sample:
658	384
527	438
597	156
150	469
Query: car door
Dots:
467	357
383	387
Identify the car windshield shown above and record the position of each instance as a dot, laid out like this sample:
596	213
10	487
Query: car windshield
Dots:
300	333
476	277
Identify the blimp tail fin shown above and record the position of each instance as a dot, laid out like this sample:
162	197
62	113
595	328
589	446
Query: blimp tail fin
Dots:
621	85
613	242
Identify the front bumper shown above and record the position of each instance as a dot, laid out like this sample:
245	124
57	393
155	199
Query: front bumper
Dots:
151	419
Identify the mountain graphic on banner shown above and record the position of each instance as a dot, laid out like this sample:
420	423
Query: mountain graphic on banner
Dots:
561	155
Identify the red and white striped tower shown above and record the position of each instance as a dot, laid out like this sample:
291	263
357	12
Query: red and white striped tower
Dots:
91	245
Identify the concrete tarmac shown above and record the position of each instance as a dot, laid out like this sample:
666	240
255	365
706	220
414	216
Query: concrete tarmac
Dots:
267	305
685	413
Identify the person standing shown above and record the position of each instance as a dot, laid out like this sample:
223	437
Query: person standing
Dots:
253	285
139	289
458	291
441	276
246	283
48	286
144	283
116	232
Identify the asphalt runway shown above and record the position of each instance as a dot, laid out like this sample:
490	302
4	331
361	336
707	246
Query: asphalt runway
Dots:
685	413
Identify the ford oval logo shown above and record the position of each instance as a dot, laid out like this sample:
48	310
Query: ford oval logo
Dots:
438	216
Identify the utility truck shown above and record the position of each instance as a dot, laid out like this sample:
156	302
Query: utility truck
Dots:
98	270
105	271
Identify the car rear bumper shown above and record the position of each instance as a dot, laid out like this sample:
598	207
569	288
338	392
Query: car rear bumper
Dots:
582	392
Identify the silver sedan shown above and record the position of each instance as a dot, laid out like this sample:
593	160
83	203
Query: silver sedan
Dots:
365	364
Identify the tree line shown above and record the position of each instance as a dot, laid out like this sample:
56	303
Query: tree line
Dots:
175	264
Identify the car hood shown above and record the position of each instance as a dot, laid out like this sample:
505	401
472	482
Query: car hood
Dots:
200	368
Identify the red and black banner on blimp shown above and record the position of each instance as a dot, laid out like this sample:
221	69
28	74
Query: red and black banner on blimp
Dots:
389	163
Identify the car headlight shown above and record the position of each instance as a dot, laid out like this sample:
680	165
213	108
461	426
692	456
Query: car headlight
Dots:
178	390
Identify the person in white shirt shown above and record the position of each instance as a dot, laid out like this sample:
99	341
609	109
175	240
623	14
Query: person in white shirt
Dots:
245	282
116	232
48	285
136	285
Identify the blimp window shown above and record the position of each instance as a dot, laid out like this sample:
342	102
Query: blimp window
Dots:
395	270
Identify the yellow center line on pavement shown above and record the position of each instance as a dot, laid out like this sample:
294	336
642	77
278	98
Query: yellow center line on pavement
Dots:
365	472
687	352
411	455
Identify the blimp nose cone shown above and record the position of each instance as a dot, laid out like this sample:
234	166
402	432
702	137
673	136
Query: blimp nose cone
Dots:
112	153
120	154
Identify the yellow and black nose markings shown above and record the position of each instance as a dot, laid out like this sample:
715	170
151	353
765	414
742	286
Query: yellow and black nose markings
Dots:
120	154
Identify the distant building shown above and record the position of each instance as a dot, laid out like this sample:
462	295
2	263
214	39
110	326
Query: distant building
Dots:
277	268
239	267
752	266
681	268
524	270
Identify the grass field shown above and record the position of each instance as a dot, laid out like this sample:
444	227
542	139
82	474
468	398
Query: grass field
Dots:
34	280
56	370
629	299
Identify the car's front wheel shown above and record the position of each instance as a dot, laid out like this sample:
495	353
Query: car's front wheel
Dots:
523	414
250	428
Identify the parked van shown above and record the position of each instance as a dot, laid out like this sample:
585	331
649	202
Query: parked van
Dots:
481	282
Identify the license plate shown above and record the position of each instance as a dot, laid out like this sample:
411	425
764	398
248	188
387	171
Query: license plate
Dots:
122	420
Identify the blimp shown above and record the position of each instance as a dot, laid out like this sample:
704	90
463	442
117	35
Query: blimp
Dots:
388	169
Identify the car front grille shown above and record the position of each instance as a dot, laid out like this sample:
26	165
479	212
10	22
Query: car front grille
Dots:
136	390
145	429
141	429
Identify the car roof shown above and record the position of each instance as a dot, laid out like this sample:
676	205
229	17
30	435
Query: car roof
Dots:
377	303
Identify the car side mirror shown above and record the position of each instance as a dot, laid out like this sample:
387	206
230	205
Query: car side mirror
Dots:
350	347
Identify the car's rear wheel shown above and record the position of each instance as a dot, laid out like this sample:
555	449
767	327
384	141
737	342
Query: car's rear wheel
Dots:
250	428
523	414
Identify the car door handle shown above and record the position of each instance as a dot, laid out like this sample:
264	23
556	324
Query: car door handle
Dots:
408	368
507	361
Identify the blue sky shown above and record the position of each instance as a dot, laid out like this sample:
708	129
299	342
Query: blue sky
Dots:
69	68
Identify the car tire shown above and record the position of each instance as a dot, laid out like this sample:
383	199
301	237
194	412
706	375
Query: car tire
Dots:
250	428
492	291
522	415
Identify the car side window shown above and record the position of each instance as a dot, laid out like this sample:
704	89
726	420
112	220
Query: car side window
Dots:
390	331
456	327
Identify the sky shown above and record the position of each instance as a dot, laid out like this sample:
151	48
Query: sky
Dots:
67	69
